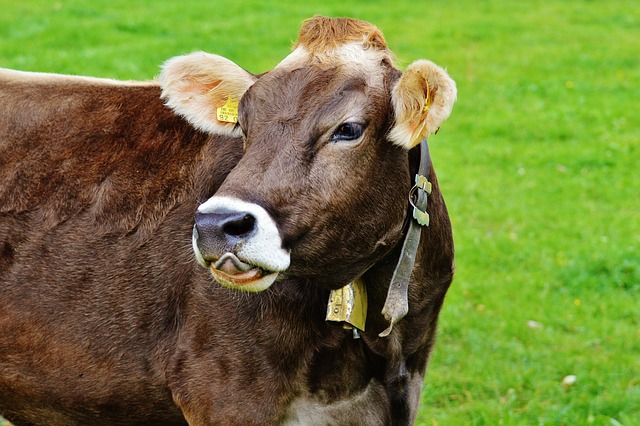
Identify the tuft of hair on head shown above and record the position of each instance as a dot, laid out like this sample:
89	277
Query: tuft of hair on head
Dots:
321	34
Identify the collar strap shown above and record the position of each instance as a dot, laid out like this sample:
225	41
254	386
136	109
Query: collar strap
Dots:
396	305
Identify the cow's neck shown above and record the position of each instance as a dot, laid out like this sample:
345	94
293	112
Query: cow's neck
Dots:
348	304
402	276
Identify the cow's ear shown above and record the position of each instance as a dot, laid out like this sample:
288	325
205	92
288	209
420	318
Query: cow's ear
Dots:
205	89
422	99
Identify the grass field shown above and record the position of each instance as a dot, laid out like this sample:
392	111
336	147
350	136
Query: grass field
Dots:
539	164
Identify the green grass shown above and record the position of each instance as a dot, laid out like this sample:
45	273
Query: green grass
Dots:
539	164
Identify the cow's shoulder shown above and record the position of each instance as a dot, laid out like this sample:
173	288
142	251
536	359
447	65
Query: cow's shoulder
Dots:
106	149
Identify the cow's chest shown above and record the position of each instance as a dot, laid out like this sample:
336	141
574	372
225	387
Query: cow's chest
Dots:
373	405
369	406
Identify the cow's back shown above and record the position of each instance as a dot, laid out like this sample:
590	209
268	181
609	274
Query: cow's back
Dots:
96	197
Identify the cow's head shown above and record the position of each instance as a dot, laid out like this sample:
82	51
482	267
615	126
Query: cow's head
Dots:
321	191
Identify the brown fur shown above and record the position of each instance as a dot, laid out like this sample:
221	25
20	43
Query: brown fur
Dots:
95	182
105	318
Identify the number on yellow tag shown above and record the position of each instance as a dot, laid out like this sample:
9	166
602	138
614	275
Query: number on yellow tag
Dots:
228	113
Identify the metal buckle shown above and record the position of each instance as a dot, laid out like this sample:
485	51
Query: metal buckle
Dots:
419	213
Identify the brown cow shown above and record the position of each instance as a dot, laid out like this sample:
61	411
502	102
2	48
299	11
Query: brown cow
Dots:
106	318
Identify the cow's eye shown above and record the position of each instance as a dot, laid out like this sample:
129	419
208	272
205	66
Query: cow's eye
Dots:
348	132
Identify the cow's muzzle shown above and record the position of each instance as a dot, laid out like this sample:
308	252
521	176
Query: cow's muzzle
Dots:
239	242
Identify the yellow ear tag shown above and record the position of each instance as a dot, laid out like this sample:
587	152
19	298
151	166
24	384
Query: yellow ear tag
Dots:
228	113
427	101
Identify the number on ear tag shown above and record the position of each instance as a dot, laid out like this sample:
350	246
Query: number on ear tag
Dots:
228	113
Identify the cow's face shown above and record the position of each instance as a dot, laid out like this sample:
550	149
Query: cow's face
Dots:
321	192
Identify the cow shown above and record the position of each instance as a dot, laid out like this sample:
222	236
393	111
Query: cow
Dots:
171	251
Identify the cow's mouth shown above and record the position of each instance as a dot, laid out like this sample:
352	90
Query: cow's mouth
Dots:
232	272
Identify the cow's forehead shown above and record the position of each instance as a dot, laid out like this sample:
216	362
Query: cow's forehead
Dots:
306	78
313	96
353	58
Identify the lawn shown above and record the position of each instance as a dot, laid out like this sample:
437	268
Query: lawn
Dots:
539	164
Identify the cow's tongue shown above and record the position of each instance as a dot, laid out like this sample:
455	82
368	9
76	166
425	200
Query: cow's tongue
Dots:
230	264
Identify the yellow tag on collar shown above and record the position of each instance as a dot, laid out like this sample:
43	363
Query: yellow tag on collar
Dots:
228	113
349	305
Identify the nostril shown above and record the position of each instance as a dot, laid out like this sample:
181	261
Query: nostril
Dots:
221	225
240	226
